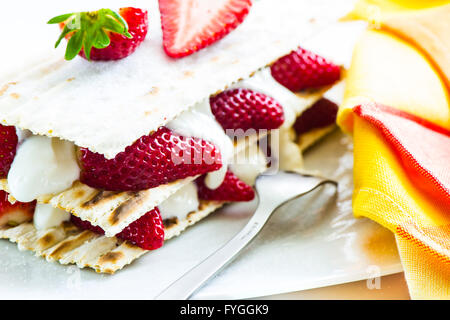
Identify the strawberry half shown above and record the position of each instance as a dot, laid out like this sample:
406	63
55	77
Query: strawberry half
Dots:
14	214
231	189
153	160
246	109
8	146
323	113
189	26
147	232
302	69
103	34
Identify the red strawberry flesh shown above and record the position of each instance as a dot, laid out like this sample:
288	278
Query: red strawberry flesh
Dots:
323	113
147	232
153	160
13	214
246	109
302	69
189	26
232	189
86	225
8	146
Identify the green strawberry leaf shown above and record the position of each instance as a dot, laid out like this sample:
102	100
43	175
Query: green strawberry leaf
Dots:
74	45
102	39
115	26
65	31
119	18
61	18
89	30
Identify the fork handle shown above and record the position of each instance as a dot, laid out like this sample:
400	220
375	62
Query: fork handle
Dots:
191	281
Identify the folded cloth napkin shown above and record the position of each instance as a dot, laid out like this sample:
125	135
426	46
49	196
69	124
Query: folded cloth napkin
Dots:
402	180
423	23
397	108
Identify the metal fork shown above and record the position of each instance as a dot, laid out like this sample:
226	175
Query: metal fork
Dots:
273	192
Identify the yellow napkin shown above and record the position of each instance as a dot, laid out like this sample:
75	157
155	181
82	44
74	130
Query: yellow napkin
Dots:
388	70
425	24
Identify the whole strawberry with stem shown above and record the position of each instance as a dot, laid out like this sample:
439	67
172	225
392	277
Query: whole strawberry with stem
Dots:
14	214
104	34
302	69
153	160
8	146
147	232
231	189
246	109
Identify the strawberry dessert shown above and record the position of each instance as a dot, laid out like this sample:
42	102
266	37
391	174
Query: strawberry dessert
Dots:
193	150
193	145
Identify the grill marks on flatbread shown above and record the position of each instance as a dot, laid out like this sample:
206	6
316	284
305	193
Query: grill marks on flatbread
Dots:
69	245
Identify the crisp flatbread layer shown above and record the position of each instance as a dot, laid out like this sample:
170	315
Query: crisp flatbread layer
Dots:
308	139
106	106
69	245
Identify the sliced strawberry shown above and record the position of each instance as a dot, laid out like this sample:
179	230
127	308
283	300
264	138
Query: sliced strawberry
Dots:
323	113
231	189
189	26
103	34
8	146
85	225
246	109
147	232
153	160
302	69
14	214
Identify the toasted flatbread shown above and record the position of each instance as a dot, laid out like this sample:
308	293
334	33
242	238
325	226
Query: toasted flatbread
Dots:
69	245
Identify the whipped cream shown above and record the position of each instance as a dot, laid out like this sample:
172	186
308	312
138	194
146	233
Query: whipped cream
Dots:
290	155
22	135
42	166
249	164
181	203
46	216
201	123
